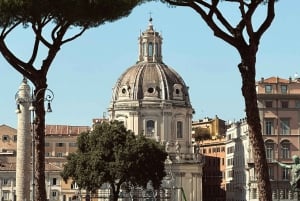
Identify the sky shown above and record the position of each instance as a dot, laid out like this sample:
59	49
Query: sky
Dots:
85	71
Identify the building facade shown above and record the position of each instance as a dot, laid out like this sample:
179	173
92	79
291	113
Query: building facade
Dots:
237	174
60	141
279	109
214	152
153	100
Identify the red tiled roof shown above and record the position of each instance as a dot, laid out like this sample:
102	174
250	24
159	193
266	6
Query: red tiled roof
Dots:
65	129
273	80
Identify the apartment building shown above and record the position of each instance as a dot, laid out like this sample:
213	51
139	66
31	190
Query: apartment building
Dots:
213	150
237	174
60	141
279	109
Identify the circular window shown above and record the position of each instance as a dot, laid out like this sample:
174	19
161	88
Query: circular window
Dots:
177	91
150	90
123	91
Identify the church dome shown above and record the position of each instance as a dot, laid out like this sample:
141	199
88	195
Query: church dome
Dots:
150	79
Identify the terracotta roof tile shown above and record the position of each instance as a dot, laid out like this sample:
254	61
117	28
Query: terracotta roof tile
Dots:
273	80
65	129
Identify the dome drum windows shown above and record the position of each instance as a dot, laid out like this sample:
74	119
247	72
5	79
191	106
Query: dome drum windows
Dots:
177	92
125	91
151	91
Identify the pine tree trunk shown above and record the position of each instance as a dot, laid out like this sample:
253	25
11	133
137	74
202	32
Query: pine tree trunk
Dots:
40	193
247	70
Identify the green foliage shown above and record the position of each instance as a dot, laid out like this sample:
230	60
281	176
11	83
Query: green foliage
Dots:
87	13
201	134
112	154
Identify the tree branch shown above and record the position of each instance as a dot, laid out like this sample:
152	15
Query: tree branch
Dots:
269	18
37	29
35	47
24	68
7	29
75	36
210	22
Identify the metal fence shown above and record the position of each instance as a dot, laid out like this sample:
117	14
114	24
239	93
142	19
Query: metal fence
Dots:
165	194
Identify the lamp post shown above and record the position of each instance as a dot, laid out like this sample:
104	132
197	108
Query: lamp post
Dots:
26	102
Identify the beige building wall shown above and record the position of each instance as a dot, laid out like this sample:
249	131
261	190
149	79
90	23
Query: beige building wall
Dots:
61	140
8	141
279	109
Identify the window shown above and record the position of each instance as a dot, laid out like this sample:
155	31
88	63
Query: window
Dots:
268	89
47	144
229	137
269	145
269	104
297	103
6	195
54	194
150	49
15	138
230	162
60	144
230	150
150	128
5	138
230	173
284	126
179	129
284	104
271	172
285	174
72	144
54	181
283	89
5	182
269	126
59	154
285	149
74	185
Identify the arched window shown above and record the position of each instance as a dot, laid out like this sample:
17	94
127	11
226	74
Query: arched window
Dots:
179	129
150	128
285	149
150	49
269	145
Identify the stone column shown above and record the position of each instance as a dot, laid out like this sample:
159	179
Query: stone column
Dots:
23	143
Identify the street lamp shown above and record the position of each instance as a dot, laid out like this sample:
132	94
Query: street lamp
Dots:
26	102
